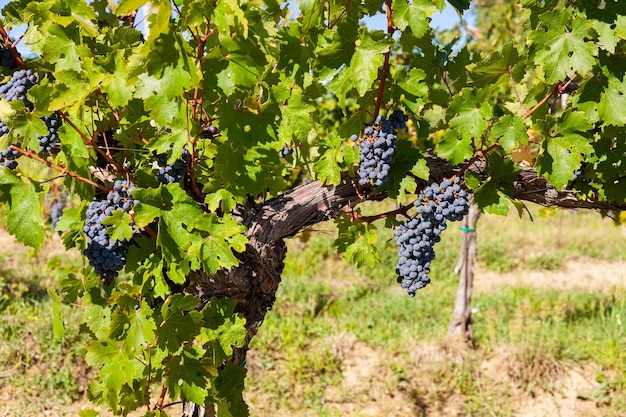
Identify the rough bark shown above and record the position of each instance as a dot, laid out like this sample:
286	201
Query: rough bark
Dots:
255	281
461	325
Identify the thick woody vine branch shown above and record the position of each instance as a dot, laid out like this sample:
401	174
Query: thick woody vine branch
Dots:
312	203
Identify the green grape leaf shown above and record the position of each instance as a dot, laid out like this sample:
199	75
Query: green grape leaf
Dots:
141	329
58	329
63	45
119	223
216	250
459	5
357	242
180	322
327	167
115	366
188	376
414	15
455	149
116	86
491	200
24	216
561	156
510	132
229	389
223	328
127	6
563	49
367	58
613	102
469	114
495	68
72	224
98	320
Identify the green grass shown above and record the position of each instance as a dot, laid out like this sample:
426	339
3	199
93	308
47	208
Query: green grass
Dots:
544	332
331	319
35	368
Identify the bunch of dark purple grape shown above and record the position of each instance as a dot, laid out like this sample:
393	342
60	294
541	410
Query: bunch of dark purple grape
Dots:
175	171
436	205
6	59
107	256
50	142
15	89
18	85
285	151
377	145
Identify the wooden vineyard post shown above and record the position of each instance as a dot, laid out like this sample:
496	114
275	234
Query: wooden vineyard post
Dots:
461	324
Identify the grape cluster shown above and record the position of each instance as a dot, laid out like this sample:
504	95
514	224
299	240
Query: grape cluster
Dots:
107	256
436	204
18	85
56	210
209	132
6	59
15	89
50	142
377	145
285	151
173	172
8	158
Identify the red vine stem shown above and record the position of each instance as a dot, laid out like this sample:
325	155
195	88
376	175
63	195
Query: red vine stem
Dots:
91	143
59	168
369	219
12	48
343	12
476	157
384	71
159	403
519	99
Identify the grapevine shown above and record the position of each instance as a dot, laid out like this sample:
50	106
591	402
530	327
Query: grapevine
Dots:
436	205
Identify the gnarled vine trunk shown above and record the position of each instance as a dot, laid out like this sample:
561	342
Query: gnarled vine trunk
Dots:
254	282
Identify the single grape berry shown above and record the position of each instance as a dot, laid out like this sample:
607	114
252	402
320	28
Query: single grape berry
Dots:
377	145
436	204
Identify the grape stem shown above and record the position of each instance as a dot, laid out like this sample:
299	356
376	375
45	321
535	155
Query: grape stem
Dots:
338	18
559	89
479	155
356	216
89	142
384	71
159	403
12	48
59	168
